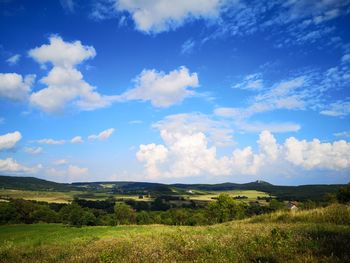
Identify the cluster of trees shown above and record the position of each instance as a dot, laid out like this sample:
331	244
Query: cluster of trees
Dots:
109	212
82	212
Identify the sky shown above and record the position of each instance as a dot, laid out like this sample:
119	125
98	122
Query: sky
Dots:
197	91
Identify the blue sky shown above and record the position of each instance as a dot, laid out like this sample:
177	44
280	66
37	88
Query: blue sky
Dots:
198	91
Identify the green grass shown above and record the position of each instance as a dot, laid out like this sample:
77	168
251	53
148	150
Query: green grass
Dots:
307	239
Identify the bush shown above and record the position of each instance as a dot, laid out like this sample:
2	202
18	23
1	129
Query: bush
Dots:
124	214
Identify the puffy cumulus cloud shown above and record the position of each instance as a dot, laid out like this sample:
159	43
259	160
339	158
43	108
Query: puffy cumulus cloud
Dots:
185	154
9	140
217	132
9	165
77	139
103	135
64	83
14	87
161	15
61	53
33	150
67	87
163	90
152	155
315	154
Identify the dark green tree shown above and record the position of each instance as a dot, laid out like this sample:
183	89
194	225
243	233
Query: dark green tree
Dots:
343	194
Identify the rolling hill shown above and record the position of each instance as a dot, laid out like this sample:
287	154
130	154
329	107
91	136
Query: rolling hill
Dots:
302	192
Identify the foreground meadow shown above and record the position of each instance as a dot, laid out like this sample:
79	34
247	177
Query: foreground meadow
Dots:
319	235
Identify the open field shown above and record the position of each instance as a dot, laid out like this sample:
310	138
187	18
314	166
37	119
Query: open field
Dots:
320	235
67	197
62	197
44	196
211	195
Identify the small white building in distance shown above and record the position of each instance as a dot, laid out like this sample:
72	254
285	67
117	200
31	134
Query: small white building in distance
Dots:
292	206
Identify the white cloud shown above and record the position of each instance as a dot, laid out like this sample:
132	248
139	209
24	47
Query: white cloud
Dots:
218	132
65	84
135	122
189	154
76	139
272	127
33	150
104	135
14	87
250	82
60	162
9	165
77	171
163	90
314	154
61	53
51	141
68	5
68	173
337	109
13	60
152	155
346	58
9	140
188	46
161	15
342	134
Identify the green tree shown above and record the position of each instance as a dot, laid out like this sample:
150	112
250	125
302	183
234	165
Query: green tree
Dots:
43	213
8	213
143	218
89	219
72	214
124	214
343	194
224	209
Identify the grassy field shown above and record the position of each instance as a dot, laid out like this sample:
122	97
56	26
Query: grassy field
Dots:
45	196
321	235
61	197
67	197
210	196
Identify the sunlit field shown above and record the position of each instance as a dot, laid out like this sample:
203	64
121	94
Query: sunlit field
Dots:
319	235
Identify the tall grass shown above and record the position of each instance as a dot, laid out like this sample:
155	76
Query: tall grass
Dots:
319	235
334	214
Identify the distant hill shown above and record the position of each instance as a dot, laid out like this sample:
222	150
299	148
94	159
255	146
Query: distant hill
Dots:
300	193
32	183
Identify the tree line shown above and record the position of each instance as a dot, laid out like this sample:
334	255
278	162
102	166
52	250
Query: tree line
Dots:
110	212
